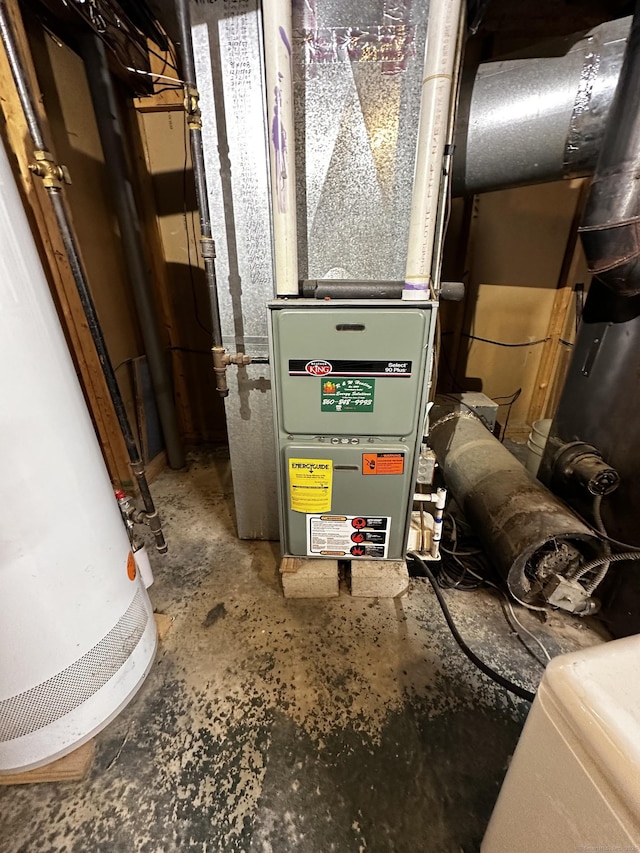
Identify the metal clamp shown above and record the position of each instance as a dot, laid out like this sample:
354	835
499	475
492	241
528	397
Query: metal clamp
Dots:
207	247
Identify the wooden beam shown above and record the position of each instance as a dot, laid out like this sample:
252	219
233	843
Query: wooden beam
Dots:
169	101
56	266
464	318
164	99
552	348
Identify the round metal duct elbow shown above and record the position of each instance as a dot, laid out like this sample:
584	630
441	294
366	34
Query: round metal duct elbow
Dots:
610	228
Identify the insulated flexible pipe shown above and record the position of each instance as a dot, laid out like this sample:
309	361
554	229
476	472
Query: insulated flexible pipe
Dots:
437	90
109	124
53	178
280	122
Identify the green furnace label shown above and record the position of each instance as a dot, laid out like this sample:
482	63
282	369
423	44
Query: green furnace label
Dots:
347	395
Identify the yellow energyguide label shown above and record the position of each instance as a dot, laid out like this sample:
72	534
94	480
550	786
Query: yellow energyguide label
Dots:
310	482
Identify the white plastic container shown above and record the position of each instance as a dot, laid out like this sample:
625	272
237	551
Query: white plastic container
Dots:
574	781
77	635
536	444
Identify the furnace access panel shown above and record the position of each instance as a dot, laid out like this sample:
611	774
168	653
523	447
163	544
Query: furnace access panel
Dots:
350	390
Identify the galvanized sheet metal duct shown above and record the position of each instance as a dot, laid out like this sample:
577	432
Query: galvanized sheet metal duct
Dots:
610	228
531	119
358	73
230	78
358	76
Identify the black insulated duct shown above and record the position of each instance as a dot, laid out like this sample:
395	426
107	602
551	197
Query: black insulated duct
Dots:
611	225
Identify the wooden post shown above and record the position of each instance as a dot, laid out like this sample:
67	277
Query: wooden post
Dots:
464	319
50	245
561	304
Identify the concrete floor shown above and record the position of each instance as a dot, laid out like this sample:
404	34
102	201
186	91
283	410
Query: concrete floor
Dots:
286	725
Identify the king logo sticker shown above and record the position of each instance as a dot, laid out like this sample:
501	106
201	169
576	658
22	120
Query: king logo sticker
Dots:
318	367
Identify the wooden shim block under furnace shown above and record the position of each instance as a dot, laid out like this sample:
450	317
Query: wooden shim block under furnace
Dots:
69	768
163	624
290	565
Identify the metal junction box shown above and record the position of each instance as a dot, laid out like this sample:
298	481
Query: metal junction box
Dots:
350	381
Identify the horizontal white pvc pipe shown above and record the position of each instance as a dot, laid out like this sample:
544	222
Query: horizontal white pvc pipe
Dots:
76	626
437	90
279	75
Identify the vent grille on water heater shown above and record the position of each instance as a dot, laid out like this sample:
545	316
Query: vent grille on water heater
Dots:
47	702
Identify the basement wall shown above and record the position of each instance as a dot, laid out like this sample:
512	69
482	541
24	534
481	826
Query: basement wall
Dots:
518	257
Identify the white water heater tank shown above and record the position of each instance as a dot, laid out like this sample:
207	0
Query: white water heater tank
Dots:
77	635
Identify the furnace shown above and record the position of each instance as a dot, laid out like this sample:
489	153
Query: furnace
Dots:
351	381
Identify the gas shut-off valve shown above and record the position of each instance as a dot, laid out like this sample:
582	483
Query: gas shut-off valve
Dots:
131	516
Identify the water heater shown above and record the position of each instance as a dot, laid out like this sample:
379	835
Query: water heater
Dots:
77	635
350	393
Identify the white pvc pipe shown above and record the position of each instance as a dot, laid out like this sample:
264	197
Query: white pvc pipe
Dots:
437	90
439	500
279	75
77	635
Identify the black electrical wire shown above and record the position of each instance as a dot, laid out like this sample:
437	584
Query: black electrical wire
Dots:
602	535
510	398
455	574
508	417
190	349
500	343
177	88
505	343
516	689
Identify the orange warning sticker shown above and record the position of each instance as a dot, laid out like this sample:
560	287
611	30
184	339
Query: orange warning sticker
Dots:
383	463
131	567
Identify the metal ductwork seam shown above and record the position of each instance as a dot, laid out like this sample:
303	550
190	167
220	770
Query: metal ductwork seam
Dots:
539	115
610	228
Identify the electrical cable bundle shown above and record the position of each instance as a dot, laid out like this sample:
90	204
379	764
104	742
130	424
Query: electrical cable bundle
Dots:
463	567
516	689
